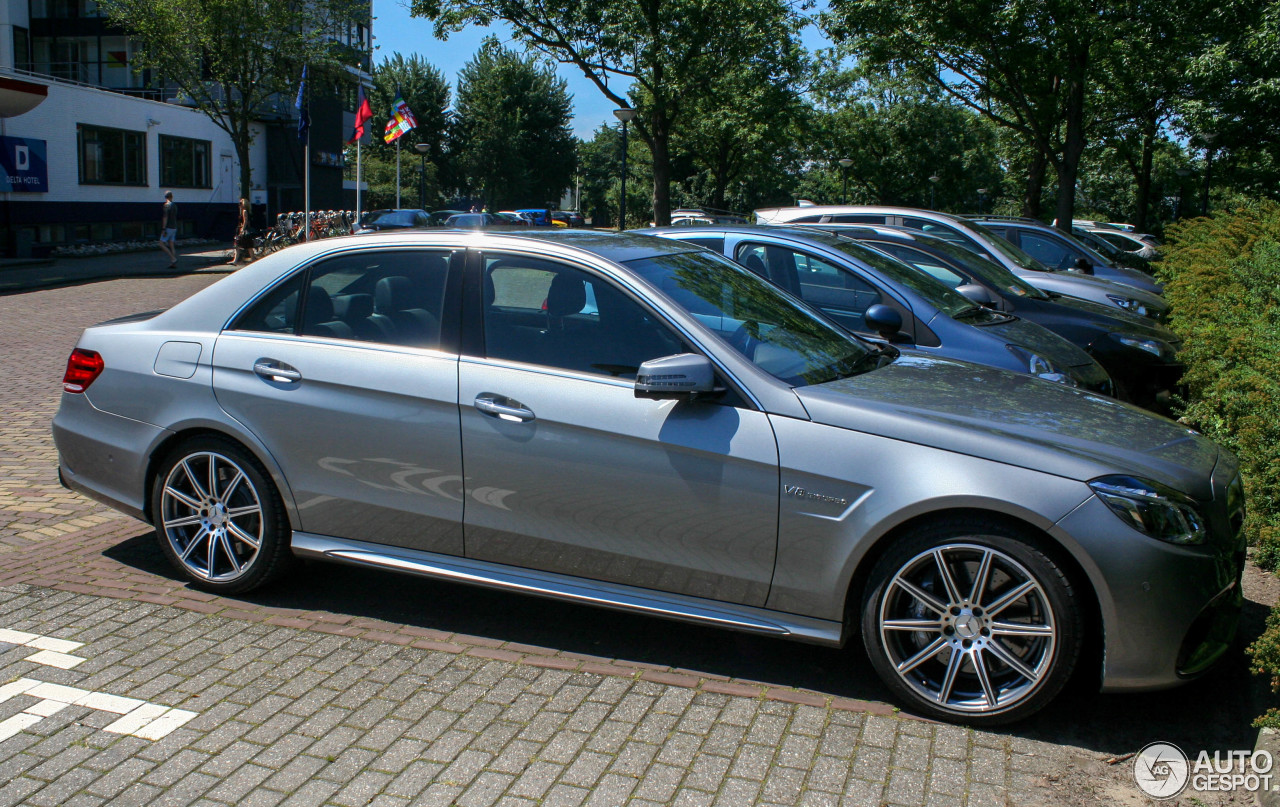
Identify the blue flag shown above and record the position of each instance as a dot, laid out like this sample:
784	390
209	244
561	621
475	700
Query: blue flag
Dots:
304	119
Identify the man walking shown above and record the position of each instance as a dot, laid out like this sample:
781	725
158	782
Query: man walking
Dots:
169	229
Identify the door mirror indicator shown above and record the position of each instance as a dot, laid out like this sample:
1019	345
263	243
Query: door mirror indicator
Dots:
682	376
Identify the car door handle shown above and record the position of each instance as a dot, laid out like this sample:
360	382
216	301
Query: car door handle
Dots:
273	370
507	411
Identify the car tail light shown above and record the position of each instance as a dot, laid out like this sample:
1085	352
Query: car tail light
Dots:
83	366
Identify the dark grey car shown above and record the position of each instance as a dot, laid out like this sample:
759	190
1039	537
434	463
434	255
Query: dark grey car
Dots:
869	293
631	423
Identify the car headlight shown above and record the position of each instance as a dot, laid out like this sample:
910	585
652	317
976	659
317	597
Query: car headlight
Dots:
1040	367
1152	509
1129	304
1156	347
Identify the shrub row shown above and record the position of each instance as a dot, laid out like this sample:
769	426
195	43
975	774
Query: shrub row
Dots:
1222	280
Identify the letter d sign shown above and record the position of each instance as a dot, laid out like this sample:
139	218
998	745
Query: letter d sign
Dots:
21	158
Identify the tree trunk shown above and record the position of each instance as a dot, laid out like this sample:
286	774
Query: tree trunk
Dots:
242	141
661	174
1035	185
1073	147
1144	175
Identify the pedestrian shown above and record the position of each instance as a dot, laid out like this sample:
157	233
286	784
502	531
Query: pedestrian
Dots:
169	229
244	241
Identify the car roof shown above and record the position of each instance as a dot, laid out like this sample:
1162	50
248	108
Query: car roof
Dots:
810	210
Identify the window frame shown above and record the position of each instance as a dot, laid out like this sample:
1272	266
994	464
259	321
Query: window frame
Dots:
192	142
141	138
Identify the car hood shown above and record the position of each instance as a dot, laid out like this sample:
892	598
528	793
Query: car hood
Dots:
1072	283
1136	278
1015	419
1041	340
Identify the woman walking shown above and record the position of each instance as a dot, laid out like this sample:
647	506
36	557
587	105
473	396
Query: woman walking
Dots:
244	241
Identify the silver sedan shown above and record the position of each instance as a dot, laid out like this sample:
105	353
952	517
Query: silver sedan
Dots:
640	424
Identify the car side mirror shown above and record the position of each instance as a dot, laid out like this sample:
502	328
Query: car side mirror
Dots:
883	320
1084	265
976	294
684	375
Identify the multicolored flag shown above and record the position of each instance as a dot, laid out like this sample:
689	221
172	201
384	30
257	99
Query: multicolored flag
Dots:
304	118
364	114
402	120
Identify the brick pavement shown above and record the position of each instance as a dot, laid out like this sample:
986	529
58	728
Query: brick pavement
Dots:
330	703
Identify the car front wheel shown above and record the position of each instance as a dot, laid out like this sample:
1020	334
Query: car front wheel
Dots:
971	623
218	517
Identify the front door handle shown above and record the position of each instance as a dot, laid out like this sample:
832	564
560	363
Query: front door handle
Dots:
510	410
278	371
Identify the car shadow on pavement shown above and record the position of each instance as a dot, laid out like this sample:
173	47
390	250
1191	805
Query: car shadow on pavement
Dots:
1214	712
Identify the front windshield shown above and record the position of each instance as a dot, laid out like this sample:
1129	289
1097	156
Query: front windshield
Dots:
384	218
1013	253
776	332
934	291
988	270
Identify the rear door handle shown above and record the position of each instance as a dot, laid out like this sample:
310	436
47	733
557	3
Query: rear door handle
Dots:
511	410
278	371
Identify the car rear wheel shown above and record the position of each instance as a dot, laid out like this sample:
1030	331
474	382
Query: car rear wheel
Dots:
219	519
971	623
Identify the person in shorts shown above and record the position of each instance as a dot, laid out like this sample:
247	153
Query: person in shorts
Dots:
169	229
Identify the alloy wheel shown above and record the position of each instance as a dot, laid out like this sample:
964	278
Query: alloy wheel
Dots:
211	516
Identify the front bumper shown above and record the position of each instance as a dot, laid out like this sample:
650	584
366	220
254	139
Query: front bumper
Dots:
1168	612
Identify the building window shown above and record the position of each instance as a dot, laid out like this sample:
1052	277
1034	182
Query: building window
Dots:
112	156
21	48
184	163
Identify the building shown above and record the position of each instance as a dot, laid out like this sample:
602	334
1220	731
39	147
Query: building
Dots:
92	160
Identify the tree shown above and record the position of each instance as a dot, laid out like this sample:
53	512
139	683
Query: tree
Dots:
1032	66
426	90
600	169
511	140
234	60
655	55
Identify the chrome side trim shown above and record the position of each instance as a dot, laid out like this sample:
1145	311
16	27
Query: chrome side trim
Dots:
573	589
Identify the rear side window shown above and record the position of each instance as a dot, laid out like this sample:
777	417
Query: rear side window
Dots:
276	311
855	218
710	242
935	229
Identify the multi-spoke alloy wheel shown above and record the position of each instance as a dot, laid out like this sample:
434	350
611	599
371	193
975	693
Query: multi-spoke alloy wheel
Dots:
217	517
982	630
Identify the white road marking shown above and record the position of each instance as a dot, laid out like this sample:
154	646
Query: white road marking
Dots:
53	652
150	721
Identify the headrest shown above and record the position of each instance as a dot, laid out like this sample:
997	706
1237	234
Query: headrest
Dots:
392	294
319	306
566	296
359	306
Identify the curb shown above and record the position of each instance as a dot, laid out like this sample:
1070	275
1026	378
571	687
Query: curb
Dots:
1269	741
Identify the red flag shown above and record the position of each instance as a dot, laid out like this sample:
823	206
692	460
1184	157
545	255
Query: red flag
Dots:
364	114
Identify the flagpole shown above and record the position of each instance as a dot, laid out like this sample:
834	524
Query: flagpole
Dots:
357	221
306	167
397	173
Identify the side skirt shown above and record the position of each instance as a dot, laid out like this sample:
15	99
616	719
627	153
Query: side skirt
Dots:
573	589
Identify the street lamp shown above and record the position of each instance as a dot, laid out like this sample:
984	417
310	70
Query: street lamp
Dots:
982	198
626	116
845	163
422	149
933	184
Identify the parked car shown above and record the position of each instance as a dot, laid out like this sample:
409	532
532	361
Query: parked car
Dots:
439	217
537	216
702	447
513	218
475	221
870	293
1138	354
1111	252
1126	241
375	220
1059	250
973	236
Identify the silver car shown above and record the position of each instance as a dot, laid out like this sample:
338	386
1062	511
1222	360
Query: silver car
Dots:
640	424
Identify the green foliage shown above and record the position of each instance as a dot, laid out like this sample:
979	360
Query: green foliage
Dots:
600	169
425	89
511	142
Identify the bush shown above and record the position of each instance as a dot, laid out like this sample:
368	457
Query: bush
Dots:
1222	280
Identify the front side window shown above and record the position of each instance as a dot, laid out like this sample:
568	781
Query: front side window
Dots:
184	162
935	229
111	156
1048	251
770	329
839	293
553	315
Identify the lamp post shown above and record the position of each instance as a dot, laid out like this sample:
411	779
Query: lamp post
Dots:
1182	173
422	149
626	116
933	184
982	198
845	164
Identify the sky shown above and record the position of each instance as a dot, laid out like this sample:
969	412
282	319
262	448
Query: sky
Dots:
395	31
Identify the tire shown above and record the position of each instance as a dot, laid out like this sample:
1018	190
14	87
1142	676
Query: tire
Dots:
208	531
995	658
